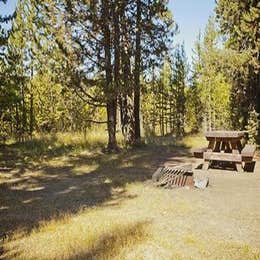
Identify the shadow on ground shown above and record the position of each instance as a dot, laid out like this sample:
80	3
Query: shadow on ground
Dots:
32	191
229	166
111	243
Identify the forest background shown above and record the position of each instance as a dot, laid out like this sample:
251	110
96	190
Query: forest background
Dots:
70	66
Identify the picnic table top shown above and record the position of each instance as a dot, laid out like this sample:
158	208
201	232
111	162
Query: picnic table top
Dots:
224	134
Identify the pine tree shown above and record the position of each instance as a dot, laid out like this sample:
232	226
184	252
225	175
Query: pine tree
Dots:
239	21
180	71
212	87
8	89
253	127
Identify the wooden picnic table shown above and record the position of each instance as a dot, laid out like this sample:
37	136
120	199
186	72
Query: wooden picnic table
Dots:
225	146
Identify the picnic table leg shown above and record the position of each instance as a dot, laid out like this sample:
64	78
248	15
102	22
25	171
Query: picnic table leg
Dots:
228	148
217	146
239	167
239	146
205	166
235	150
217	149
211	144
210	148
223	146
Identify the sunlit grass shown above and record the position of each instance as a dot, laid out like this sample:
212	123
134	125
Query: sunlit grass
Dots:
189	141
193	141
56	144
92	234
145	226
43	146
160	140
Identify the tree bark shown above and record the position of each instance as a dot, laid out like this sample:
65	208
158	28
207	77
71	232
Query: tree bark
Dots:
137	132
31	106
126	97
111	96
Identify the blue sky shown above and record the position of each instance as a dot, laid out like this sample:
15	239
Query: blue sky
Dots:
191	16
8	8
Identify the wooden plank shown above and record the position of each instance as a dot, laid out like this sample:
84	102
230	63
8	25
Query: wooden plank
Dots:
247	158
198	152
226	157
224	134
224	139
198	155
248	150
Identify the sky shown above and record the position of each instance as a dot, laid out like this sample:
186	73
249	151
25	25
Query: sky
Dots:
7	8
190	15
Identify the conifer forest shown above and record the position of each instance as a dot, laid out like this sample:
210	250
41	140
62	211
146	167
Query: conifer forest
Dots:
66	66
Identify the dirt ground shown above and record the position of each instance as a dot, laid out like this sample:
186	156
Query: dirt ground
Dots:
220	222
228	208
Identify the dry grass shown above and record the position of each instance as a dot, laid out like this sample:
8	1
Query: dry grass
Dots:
89	234
153	225
44	146
90	205
194	141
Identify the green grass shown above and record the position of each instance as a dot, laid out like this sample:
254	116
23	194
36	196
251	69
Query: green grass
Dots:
52	145
43	146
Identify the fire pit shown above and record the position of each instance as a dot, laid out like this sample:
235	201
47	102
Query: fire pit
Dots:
171	176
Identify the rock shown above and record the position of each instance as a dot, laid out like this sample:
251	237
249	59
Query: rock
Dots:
201	183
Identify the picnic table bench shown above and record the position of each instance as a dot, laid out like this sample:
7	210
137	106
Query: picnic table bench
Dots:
225	146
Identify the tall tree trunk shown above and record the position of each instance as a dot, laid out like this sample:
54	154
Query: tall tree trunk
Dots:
126	98
257	100
31	115
126	104
111	97
162	116
209	113
17	120
31	106
24	116
111	125
137	74
116	45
